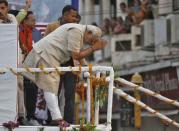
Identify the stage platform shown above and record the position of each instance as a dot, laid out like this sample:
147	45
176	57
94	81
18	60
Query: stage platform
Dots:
51	128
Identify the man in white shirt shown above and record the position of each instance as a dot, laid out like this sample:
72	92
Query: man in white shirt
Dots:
7	18
124	10
4	16
55	49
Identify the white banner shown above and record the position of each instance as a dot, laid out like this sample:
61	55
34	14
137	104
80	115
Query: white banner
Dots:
8	82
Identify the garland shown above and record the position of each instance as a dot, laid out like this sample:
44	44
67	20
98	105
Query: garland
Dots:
91	92
101	90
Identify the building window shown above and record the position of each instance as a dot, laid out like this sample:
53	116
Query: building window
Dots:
123	45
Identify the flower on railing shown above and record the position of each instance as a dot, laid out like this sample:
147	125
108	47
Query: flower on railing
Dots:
11	125
85	127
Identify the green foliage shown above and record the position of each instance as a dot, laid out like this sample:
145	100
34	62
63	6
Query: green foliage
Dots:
90	127
87	127
42	129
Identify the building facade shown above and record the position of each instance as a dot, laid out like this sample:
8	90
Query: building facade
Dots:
151	48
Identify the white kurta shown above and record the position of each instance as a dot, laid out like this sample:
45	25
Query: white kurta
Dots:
52	51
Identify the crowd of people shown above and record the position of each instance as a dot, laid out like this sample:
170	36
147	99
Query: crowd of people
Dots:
62	45
130	15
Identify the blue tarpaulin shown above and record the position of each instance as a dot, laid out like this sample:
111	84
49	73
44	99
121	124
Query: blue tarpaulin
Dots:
75	4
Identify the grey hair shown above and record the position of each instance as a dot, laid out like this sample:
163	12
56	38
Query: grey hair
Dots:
95	30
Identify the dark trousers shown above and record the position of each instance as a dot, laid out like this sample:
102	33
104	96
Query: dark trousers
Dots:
30	98
69	81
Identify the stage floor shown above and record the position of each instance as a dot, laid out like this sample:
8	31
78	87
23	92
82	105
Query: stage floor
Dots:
51	128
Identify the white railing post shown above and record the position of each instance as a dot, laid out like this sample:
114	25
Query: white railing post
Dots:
88	99
97	105
110	98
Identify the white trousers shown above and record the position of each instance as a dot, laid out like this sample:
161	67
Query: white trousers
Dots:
52	105
61	99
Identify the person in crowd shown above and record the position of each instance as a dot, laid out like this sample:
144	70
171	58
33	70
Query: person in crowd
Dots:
106	27
56	49
69	15
128	24
149	10
124	10
8	18
113	24
28	35
119	28
136	7
138	12
4	16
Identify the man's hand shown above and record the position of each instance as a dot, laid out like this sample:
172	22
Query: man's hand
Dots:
96	45
99	44
28	4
